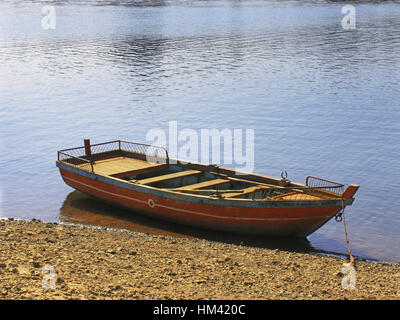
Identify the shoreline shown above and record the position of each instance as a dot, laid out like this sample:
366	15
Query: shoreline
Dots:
48	260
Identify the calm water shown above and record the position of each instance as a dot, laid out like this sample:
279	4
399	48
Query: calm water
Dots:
322	100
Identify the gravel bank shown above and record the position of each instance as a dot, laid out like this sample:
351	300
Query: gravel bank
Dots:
93	263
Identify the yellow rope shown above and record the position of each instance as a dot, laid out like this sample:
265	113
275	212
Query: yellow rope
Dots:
352	261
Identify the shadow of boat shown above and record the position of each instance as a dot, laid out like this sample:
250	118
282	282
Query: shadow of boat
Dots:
81	209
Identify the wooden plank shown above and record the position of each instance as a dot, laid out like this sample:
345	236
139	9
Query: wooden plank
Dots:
117	165
169	176
245	191
140	171
296	196
244	180
203	184
203	191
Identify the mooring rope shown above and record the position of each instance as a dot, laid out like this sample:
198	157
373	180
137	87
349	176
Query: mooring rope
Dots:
352	261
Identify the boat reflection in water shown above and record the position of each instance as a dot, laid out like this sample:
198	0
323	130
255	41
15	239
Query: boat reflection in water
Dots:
81	209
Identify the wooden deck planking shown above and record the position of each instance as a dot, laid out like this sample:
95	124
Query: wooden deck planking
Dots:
118	165
297	196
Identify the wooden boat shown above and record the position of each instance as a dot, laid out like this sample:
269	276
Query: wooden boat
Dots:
143	178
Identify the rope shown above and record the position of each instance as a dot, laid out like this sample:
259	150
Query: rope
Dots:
352	261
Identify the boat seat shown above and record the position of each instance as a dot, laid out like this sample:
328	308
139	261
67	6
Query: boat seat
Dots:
169	176
237	194
203	184
145	170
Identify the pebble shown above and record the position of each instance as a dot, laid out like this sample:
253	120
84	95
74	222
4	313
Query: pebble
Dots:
88	264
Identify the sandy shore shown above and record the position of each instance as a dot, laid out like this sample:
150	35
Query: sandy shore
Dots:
54	261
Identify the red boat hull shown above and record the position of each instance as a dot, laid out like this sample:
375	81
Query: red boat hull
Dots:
281	218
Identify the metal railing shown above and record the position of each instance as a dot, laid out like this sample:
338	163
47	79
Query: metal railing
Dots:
152	153
82	163
78	157
324	185
315	189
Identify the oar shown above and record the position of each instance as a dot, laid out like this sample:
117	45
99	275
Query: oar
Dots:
206	191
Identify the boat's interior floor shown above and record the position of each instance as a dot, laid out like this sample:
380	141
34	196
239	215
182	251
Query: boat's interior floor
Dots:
120	166
179	178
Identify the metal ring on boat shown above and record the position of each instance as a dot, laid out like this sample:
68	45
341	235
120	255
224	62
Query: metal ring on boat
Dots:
151	203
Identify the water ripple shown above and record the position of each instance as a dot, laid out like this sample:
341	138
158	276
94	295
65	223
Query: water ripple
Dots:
322	100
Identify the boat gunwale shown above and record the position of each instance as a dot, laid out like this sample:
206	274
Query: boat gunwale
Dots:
160	192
